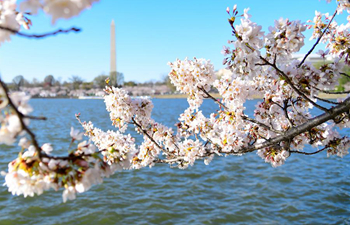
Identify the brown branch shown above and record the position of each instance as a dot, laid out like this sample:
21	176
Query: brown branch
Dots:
309	153
285	110
21	117
73	29
145	133
318	40
334	92
345	75
326	100
295	131
214	99
35	117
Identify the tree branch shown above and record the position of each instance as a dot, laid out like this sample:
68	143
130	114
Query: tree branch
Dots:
334	92
73	29
295	131
309	153
214	99
145	133
326	100
345	75
21	117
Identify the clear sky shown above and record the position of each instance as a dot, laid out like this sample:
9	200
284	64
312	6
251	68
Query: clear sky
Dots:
149	34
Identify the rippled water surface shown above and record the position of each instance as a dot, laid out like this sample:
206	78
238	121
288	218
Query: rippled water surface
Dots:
241	190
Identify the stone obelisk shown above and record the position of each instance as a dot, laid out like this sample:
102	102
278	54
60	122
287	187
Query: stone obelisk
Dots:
113	69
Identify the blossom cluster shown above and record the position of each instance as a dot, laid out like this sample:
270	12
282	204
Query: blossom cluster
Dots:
249	40
285	38
192	78
33	173
56	8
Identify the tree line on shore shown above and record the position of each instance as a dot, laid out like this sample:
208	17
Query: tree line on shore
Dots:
76	82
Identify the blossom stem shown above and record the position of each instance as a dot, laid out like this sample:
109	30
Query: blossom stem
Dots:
145	133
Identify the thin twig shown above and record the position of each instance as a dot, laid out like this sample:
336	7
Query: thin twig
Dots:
214	99
145	133
331	91
309	153
326	100
35	117
345	75
285	110
20	117
73	29
318	40
334	92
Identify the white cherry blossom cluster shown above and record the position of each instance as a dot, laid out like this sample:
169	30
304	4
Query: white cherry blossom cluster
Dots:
192	77
319	23
118	103
33	173
335	36
10	18
285	38
276	157
249	40
56	8
249	34
192	123
235	90
191	150
339	147
343	5
117	149
339	43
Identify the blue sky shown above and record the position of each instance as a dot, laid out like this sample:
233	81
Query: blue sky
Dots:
149	34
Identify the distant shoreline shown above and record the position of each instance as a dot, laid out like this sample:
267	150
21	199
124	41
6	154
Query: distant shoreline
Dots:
216	95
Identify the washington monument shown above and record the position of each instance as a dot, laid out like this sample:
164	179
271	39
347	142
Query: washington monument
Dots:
113	65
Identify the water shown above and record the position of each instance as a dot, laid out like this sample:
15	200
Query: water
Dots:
241	190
